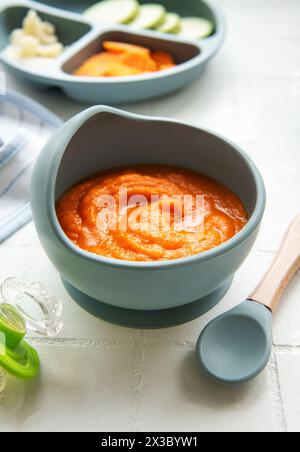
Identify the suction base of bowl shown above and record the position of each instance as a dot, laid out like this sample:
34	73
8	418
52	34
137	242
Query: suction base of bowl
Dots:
147	319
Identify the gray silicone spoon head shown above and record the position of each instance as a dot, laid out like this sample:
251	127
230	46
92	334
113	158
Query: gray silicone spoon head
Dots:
236	347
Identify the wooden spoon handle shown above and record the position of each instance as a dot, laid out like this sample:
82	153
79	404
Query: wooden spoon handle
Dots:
282	270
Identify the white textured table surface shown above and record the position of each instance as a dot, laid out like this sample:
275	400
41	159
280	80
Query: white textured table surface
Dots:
98	377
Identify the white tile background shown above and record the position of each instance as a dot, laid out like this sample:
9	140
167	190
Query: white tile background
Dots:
98	377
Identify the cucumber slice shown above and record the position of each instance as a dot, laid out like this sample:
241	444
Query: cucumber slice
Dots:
113	11
196	28
171	24
149	17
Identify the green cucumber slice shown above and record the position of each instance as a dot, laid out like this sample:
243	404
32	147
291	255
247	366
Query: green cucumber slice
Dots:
113	11
149	17
196	28
25	364
171	24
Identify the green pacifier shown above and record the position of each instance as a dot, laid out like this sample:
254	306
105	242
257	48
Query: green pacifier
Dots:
24	306
17	357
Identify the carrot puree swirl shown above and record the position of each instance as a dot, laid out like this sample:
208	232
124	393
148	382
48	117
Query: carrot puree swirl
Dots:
149	213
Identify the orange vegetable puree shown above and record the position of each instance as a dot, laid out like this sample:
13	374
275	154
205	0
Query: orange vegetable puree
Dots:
138	214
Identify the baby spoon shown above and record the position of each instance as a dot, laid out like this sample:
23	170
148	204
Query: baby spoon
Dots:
236	346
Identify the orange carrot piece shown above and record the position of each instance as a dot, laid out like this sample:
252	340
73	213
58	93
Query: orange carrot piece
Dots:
143	63
120	70
121	59
106	69
121	47
94	66
161	57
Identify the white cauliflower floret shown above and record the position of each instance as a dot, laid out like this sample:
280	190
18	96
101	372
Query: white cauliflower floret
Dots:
36	38
32	23
50	51
29	46
49	28
34	26
16	37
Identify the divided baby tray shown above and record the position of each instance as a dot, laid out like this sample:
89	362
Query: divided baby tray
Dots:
83	38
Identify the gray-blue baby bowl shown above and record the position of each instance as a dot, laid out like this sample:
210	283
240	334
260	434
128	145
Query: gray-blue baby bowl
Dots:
82	39
142	294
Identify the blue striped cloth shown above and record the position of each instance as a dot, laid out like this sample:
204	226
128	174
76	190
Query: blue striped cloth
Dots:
25	127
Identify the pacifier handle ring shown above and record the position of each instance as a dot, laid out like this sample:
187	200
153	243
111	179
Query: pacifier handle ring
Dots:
16	292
